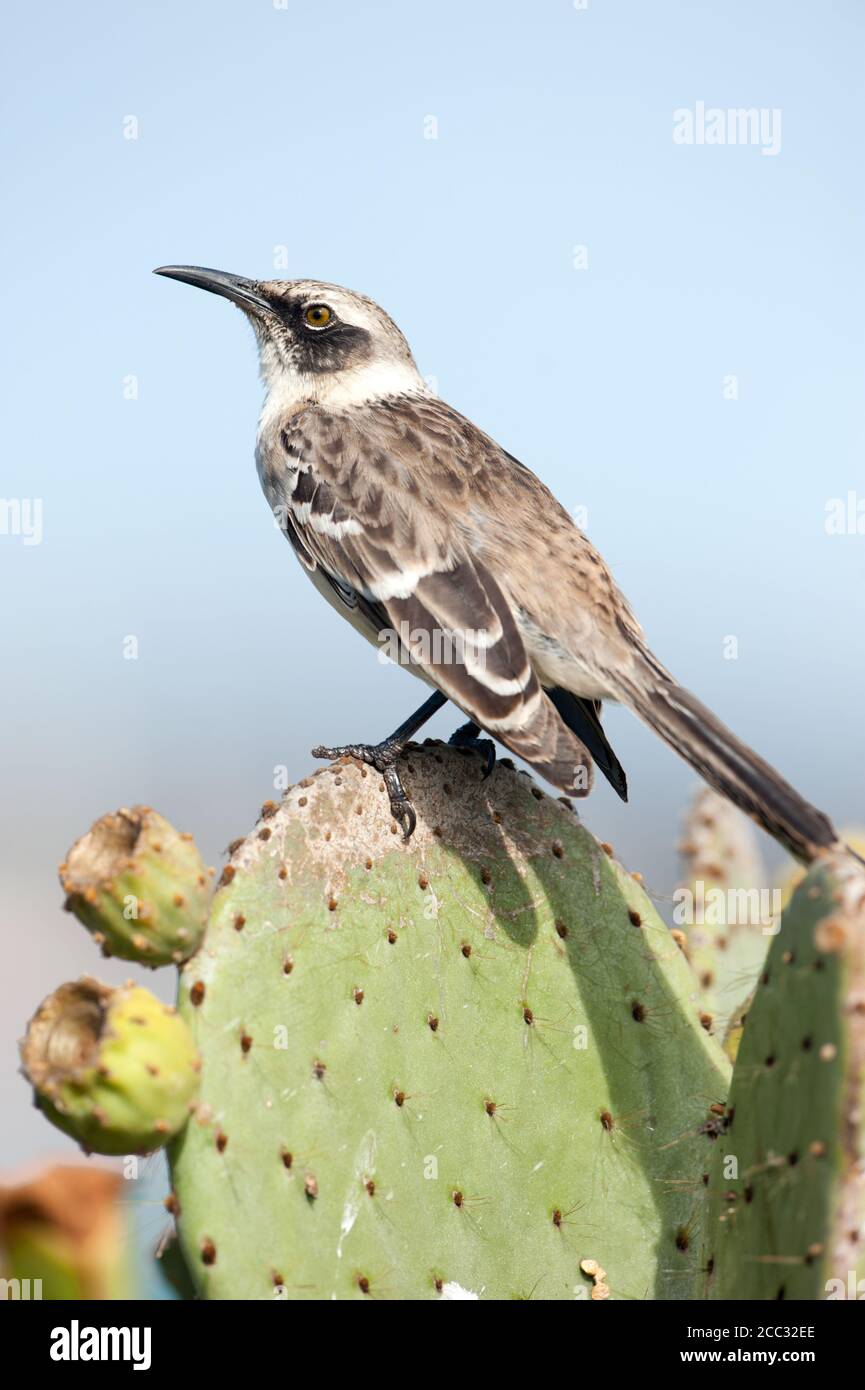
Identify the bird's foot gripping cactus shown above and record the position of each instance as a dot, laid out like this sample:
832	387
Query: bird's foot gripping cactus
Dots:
458	1068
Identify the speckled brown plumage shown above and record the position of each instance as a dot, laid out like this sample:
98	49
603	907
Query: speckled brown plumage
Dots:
407	517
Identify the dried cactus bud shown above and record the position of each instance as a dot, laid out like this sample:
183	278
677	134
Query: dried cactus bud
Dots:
139	887
114	1068
64	1228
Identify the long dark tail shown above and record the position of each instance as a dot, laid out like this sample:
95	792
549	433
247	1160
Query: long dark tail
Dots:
728	765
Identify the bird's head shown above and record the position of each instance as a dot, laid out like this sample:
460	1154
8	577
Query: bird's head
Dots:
317	342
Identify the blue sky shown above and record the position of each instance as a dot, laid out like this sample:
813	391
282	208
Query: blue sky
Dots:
303	128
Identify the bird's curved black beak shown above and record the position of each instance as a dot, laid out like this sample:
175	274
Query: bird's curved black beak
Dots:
246	294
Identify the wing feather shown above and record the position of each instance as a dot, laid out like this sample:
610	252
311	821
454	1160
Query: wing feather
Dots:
399	552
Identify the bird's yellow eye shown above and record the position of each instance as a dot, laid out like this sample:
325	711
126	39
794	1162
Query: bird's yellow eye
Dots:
318	316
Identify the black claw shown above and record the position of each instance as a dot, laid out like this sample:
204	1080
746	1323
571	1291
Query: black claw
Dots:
377	755
382	757
400	807
404	814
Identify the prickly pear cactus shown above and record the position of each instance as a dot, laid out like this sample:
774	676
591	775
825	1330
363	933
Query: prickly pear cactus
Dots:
114	1068
792	873
787	1188
724	905
470	1067
477	1065
139	887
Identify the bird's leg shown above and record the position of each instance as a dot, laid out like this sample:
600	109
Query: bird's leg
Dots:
383	756
468	736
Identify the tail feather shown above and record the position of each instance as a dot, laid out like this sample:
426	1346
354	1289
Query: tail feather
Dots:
551	748
730	766
583	718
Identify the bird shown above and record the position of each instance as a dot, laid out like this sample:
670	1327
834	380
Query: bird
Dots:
428	536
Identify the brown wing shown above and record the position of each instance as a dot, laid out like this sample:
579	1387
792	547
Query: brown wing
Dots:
386	528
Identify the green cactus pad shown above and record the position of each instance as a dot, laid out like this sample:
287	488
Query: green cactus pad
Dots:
114	1068
457	1068
724	906
787	1187
139	887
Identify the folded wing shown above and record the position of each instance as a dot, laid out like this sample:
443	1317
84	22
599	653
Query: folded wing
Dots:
407	570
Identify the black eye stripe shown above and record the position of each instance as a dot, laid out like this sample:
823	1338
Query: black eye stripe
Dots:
330	348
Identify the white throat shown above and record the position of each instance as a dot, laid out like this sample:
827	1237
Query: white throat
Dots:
289	391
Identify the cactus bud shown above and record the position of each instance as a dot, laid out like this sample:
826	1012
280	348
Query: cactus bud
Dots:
114	1068
139	887
64	1232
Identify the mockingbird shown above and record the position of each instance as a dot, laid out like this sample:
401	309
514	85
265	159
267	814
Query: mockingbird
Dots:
417	526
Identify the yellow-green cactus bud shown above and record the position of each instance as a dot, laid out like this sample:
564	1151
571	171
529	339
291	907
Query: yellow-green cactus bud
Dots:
114	1068
139	887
